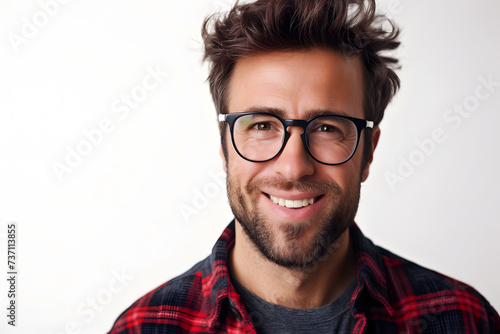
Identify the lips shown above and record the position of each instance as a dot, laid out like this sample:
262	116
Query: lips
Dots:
291	203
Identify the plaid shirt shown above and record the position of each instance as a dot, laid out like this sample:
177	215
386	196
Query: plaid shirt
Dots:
392	295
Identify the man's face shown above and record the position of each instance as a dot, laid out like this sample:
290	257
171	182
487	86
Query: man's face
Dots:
301	85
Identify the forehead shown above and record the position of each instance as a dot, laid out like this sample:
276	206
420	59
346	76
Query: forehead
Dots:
300	83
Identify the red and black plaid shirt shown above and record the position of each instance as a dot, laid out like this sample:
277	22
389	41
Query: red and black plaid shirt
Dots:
392	295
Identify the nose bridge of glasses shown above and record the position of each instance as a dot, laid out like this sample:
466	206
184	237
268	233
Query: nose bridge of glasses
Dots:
295	122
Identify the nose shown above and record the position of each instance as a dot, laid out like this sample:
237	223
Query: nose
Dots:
294	162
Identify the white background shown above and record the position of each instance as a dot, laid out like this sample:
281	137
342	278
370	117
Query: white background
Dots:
118	212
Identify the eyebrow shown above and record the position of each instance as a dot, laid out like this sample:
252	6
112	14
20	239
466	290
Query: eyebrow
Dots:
269	110
308	114
317	112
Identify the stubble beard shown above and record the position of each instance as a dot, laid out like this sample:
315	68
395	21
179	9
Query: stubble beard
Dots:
287	248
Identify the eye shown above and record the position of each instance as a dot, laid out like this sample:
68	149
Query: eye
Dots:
327	128
326	132
262	126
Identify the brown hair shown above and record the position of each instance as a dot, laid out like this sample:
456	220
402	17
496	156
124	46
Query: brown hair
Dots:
350	27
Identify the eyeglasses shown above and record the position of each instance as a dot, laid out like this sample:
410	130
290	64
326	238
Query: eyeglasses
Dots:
329	139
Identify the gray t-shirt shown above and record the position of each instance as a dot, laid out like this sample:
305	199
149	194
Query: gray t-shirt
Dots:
271	318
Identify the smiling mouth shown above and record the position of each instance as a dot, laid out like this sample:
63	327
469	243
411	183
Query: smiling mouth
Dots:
293	204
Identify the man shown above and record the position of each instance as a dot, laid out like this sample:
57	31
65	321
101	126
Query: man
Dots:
300	88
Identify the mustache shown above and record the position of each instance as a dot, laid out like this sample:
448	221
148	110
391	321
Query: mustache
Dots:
300	185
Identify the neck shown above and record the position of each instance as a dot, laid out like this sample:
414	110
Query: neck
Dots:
307	288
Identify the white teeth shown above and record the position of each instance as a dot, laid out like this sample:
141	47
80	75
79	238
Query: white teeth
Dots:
292	203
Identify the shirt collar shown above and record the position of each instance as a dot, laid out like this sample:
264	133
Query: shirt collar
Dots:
218	291
221	296
371	275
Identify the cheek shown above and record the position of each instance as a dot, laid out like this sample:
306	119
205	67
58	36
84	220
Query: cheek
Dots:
344	175
240	170
351	170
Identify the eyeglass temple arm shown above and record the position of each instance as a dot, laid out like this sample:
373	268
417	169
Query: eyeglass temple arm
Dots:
369	124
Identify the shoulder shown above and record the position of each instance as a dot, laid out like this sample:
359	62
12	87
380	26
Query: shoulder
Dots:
434	297
411	277
191	302
170	304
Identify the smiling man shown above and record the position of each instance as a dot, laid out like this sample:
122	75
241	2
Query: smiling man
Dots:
294	197
300	88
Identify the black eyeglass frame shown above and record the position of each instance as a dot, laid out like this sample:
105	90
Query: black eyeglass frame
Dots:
358	122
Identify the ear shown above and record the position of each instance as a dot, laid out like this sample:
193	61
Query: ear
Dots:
224	162
375	138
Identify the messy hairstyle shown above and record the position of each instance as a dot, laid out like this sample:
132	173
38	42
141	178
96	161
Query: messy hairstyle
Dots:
350	27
